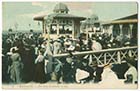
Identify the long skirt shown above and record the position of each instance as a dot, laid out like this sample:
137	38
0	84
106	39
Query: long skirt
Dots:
16	72
39	73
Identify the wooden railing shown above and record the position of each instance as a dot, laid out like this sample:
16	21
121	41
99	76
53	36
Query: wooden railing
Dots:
103	57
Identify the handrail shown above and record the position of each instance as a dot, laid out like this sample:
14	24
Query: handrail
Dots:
91	52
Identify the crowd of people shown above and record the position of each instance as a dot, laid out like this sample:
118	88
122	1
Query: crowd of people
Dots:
28	57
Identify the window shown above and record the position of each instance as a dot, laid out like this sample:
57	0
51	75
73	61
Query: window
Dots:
62	11
116	30
126	29
53	29
135	31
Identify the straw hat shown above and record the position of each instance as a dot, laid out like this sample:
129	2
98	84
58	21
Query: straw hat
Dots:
71	48
11	50
127	43
109	45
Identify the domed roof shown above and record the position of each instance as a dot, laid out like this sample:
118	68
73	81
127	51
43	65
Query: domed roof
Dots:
94	17
61	7
92	20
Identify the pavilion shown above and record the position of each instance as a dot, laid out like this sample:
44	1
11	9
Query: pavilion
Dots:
125	26
62	23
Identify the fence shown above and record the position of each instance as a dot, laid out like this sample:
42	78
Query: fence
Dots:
103	57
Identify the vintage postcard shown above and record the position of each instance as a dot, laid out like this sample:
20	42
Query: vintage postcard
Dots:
63	45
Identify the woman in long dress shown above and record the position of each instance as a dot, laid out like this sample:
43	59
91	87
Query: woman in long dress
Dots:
16	67
39	68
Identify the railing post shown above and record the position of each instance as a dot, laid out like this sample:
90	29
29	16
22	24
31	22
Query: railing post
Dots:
130	53
105	59
119	57
90	59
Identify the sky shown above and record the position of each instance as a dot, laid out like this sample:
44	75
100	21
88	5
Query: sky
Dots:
21	14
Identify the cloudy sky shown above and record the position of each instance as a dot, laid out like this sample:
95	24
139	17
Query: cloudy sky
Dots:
22	13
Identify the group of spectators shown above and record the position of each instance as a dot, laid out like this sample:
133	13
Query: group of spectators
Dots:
28	57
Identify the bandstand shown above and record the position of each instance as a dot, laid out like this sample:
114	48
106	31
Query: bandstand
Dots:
92	25
62	23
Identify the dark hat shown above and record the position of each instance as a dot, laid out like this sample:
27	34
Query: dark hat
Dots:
42	50
85	60
130	60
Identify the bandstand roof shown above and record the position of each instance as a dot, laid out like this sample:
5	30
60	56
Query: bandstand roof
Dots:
91	20
59	15
60	7
59	11
39	18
